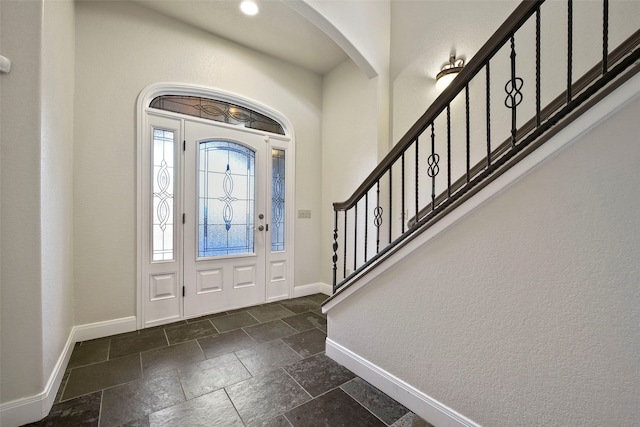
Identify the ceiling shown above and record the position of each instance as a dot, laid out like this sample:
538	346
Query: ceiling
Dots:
277	30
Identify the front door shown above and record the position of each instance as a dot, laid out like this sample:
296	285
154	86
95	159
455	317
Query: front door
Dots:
225	218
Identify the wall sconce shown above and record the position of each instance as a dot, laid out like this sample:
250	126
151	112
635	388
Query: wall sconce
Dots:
5	64
449	72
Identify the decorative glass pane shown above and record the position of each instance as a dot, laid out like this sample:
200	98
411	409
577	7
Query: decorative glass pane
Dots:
226	199
162	219
218	111
277	199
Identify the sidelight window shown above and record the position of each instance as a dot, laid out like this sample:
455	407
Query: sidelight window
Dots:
277	200
163	195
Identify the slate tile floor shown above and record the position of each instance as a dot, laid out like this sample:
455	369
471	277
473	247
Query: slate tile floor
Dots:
259	366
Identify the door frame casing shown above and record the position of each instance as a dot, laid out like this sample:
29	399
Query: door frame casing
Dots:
142	122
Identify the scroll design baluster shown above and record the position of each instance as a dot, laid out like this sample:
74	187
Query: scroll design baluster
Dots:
513	87
377	217
433	168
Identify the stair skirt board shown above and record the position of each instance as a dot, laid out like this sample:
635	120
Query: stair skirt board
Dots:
426	407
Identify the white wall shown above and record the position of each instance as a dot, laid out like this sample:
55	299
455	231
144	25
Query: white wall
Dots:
21	367
120	49
56	181
525	312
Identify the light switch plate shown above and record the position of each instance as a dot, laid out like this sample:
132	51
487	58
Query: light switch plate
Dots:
304	213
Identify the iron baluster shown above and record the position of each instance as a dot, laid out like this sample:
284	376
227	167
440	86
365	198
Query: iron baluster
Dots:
433	168
377	221
448	150
335	247
605	37
366	223
466	98
538	66
344	261
417	179
488	115
390	205
402	193
569	48
355	239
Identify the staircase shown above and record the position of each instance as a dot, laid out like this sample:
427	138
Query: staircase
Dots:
525	311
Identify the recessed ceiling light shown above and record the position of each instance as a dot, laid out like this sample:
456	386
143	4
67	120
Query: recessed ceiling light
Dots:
249	7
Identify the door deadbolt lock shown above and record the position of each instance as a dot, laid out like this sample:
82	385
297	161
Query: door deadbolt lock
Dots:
261	216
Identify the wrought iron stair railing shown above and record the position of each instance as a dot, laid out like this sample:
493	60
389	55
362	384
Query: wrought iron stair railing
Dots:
438	163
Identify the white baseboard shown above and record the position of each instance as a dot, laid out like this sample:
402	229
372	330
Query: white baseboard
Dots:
426	407
91	331
33	408
312	288
24	411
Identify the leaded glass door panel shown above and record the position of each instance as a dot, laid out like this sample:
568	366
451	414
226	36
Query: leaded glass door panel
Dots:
225	224
226	198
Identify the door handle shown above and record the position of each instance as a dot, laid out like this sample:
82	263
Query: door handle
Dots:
260	228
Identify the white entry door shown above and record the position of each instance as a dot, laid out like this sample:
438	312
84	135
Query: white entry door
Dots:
225	226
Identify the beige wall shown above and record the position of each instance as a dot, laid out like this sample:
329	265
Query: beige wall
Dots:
37	142
120	49
56	181
525	312
21	333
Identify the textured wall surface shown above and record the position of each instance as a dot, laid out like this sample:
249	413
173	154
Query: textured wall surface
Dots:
37	149
21	327
525	312
57	179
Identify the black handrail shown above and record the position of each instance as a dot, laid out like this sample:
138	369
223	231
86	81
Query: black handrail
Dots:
521	140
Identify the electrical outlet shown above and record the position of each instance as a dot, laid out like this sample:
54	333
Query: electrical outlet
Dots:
304	213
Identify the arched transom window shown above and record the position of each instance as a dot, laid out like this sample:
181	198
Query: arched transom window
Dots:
219	111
